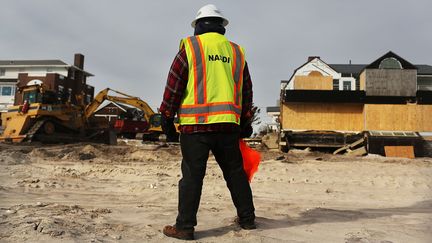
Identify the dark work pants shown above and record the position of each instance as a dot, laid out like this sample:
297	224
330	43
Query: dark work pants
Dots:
195	150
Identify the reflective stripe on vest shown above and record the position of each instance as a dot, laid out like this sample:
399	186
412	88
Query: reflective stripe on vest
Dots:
211	109
199	68
198	109
237	71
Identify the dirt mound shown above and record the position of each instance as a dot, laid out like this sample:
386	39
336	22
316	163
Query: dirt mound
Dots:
87	152
96	153
143	155
41	153
13	158
43	221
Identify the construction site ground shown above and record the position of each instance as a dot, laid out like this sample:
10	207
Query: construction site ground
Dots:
128	193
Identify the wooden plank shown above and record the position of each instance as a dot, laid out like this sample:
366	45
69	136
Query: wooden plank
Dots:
348	146
399	151
321	145
363	81
358	152
322	116
396	117
313	82
391	82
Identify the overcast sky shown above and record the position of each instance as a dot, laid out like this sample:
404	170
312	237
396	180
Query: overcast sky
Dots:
129	45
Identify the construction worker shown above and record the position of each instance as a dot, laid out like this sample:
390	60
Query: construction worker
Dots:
210	90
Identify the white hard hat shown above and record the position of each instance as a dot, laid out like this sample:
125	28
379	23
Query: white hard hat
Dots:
209	10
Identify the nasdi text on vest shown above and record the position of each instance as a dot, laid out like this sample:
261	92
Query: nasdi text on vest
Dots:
218	58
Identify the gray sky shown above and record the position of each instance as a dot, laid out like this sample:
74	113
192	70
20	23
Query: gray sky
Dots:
129	45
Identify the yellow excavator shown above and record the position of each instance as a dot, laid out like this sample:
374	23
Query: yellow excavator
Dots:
44	117
152	120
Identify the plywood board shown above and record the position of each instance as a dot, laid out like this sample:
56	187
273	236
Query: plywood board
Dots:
391	82
313	82
363	81
399	151
322	116
357	117
391	117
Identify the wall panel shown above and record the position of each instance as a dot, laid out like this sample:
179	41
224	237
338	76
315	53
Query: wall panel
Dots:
318	116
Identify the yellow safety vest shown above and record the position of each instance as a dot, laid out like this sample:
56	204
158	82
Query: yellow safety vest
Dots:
214	89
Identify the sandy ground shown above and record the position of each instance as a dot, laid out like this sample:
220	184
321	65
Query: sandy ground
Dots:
127	193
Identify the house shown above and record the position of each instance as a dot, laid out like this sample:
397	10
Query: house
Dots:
273	112
68	81
315	74
111	111
389	95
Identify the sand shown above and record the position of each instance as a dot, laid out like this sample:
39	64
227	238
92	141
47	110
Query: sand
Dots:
127	193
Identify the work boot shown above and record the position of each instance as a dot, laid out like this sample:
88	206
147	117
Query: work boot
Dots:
172	231
245	225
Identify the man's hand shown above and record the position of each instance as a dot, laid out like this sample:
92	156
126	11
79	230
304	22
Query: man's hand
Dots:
246	129
169	129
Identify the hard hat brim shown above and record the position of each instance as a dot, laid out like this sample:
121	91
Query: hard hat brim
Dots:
224	22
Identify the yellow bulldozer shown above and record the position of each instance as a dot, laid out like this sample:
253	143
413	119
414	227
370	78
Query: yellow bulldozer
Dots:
43	117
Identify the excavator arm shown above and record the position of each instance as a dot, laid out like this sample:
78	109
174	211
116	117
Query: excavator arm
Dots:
124	98
97	101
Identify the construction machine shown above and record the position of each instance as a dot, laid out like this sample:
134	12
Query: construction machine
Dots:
47	116
147	124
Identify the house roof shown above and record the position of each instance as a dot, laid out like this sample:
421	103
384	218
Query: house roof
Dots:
405	64
122	106
348	68
424	69
304	64
273	109
9	63
356	69
40	63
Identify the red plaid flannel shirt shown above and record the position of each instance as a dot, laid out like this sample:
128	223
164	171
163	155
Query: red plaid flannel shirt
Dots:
176	86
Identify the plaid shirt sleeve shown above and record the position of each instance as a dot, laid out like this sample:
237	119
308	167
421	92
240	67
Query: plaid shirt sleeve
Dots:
176	85
247	95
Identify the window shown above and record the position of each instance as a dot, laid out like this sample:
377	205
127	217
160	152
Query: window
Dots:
6	91
346	85
88	99
61	95
32	96
390	63
2	72
335	84
69	94
357	84
315	73
424	83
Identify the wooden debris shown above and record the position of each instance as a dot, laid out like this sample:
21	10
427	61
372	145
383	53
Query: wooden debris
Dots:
358	152
399	151
349	147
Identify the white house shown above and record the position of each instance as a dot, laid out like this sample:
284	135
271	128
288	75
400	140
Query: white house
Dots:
342	79
37	70
9	70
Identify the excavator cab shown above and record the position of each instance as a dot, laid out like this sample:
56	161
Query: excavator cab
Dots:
32	96
156	121
36	94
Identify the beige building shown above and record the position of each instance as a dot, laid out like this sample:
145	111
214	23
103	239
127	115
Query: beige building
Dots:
389	96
